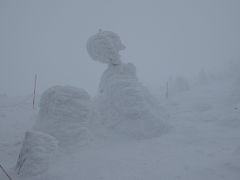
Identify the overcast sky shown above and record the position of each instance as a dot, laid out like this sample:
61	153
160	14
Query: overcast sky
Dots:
163	39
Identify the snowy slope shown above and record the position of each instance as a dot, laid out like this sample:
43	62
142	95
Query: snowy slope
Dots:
16	116
202	143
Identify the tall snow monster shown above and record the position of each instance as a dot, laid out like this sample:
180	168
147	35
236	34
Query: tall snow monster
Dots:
125	106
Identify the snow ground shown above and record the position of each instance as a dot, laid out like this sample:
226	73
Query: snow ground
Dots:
202	143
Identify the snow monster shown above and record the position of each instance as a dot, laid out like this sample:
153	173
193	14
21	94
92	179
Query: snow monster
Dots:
64	113
125	106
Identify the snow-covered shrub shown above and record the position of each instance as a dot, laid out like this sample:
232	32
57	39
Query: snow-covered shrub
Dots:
104	47
37	151
126	106
64	113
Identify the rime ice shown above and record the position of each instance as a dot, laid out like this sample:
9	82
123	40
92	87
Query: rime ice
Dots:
64	112
104	47
125	105
36	154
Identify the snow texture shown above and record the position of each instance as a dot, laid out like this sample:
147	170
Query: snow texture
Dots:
125	105
203	143
104	47
36	154
64	113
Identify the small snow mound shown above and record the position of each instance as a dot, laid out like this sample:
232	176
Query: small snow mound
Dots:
36	153
104	47
126	106
64	113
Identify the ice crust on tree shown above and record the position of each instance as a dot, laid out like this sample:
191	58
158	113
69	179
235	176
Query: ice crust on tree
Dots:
35	156
104	47
124	104
64	113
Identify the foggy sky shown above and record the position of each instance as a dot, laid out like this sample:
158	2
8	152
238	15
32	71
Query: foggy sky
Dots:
163	39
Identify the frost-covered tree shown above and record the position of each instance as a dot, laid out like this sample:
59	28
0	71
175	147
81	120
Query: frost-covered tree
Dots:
124	104
35	156
64	114
104	47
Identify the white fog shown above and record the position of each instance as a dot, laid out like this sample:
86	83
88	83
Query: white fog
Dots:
130	89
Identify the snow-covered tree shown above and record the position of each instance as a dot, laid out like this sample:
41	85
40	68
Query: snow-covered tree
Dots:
35	156
64	114
124	104
104	47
